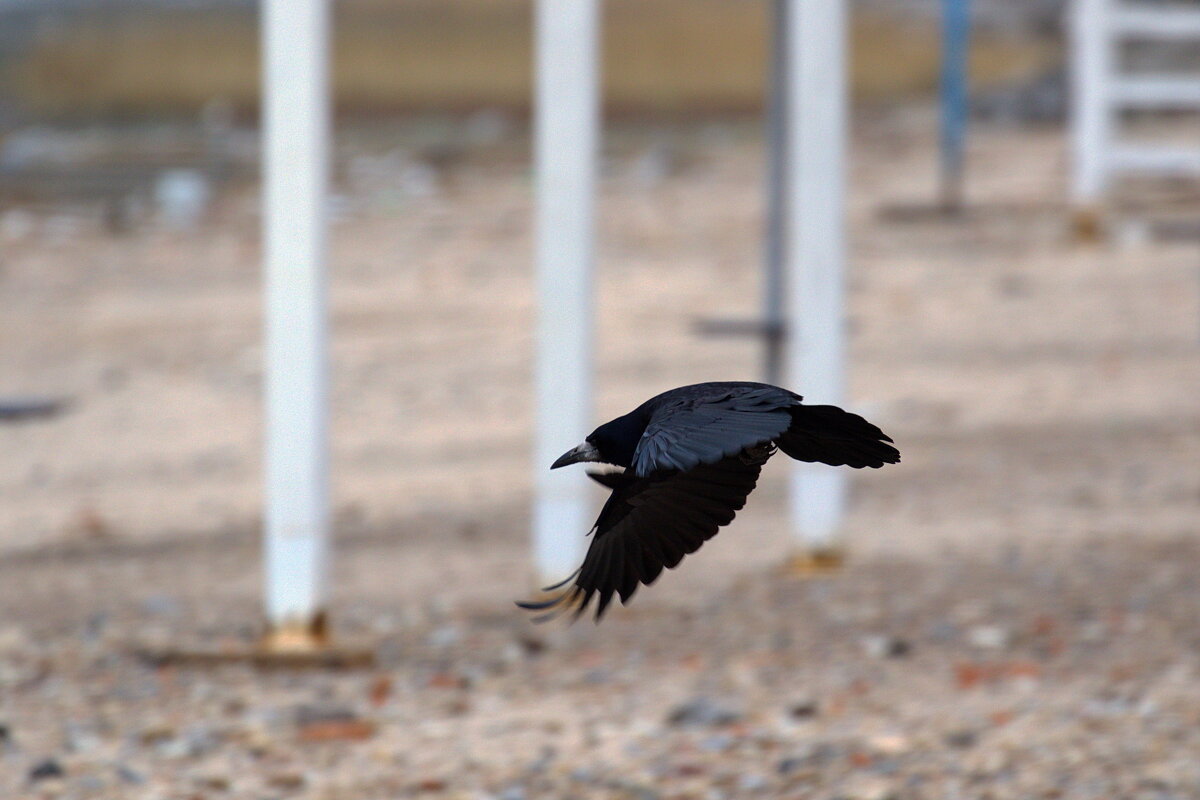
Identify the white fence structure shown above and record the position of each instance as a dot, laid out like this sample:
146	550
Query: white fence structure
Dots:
1101	91
807	203
811	92
296	110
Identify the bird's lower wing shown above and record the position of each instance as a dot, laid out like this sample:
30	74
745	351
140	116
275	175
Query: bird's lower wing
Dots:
651	523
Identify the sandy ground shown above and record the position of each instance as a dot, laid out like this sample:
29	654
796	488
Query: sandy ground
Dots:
1018	618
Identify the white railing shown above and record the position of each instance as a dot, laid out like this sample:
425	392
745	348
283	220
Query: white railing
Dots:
1167	22
1100	92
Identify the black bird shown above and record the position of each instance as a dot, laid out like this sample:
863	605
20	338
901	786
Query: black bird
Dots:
691	456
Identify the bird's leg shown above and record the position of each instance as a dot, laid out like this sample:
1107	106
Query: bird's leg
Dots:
758	454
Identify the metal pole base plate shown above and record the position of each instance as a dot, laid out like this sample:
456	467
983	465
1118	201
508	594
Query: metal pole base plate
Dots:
816	562
298	637
287	647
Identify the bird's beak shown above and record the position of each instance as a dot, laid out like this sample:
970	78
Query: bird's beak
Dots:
584	452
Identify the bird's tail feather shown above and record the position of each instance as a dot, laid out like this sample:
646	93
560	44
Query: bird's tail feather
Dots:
830	435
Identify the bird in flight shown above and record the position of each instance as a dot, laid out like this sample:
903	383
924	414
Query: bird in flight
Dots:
691	456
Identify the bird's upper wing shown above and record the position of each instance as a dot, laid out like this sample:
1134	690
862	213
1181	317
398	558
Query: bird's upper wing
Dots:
703	429
652	522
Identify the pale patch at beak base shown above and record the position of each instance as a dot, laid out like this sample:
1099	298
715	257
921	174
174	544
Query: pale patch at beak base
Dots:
584	452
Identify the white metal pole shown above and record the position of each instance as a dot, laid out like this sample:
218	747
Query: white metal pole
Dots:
566	133
295	42
816	109
774	320
1091	114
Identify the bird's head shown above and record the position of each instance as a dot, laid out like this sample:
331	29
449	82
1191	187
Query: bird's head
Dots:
611	443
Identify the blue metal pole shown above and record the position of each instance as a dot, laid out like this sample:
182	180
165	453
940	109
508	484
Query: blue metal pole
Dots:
956	30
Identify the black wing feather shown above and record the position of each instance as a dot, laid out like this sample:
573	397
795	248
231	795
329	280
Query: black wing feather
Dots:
651	523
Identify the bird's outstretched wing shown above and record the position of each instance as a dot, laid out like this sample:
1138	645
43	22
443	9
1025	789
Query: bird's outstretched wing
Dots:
652	522
693	429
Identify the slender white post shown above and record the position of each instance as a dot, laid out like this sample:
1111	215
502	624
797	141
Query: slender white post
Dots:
566	131
816	110
295	44
1091	115
774	318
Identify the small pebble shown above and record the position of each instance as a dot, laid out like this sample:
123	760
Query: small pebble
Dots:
444	636
337	730
129	775
879	646
752	783
532	645
597	677
45	770
803	709
868	789
961	739
287	781
989	637
715	744
161	605
89	784
13	638
1092	632
308	714
702	711
817	755
943	631
215	782
889	744
173	748
787	766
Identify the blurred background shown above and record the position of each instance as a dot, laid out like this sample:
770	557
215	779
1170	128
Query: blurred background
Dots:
1017	614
